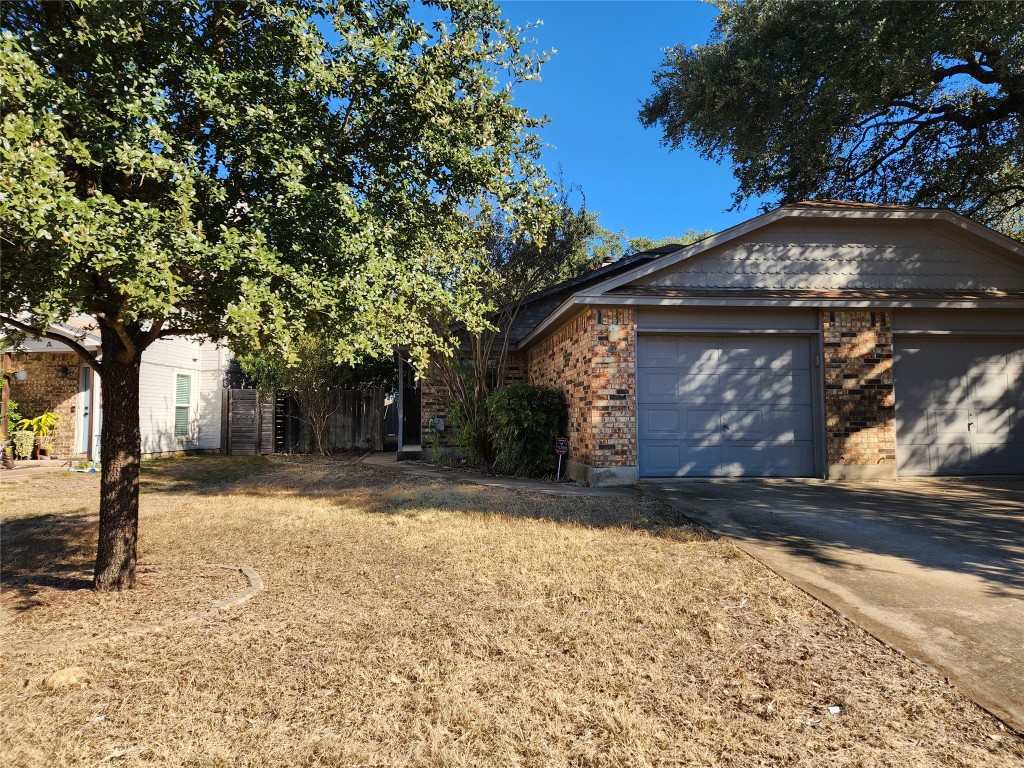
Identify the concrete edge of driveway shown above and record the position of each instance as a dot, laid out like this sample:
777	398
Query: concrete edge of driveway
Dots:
389	462
885	634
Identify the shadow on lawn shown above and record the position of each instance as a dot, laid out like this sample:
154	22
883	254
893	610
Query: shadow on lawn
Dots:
47	551
348	483
205	473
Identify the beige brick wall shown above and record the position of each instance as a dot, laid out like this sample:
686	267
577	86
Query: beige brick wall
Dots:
598	378
860	425
44	391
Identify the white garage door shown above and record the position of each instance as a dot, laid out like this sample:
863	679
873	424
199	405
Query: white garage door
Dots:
959	405
724	406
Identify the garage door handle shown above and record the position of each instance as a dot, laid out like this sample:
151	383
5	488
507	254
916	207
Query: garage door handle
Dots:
725	427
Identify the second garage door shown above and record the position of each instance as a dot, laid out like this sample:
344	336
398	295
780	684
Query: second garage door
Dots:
725	406
959	406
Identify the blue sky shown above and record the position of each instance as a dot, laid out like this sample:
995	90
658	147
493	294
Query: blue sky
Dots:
592	88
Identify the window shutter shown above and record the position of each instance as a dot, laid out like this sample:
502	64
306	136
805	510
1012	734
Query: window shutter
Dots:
182	401
183	390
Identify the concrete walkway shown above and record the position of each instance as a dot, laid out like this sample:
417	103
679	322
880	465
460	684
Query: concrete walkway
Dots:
551	488
31	467
934	568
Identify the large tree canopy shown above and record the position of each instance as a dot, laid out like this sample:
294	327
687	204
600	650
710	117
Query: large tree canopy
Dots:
897	102
248	171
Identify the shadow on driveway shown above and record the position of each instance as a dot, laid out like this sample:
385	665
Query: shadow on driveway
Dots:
933	567
974	528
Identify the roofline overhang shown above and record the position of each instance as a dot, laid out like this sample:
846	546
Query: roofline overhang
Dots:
597	295
60	333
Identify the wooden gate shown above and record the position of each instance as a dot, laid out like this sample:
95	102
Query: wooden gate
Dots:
249	422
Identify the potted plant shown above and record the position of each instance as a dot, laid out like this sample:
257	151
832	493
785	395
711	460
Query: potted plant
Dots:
24	441
8	458
42	427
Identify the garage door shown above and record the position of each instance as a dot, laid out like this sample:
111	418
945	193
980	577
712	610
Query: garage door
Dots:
958	406
724	406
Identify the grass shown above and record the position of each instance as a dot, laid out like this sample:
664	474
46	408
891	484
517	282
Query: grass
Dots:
410	622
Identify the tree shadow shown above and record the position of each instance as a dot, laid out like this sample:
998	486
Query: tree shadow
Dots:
971	527
47	550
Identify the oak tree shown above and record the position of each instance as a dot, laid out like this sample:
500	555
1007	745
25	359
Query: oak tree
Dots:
243	171
894	102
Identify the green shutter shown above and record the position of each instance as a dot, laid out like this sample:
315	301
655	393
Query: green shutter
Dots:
182	401
183	390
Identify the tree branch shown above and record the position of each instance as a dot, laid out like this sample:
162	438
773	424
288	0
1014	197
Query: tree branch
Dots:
88	357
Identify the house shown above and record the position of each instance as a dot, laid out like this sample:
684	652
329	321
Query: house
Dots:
824	339
180	382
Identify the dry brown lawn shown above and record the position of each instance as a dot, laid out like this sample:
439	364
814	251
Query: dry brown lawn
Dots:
427	623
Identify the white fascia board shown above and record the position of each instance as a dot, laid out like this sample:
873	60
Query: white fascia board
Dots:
37	344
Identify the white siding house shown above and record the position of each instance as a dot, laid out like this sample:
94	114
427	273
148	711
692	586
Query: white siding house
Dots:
180	392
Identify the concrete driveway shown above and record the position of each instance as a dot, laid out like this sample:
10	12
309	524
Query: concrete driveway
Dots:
934	567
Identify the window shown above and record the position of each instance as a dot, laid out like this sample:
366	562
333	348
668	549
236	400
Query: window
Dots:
182	403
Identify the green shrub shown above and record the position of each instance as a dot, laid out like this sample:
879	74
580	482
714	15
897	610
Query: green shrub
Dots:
24	441
525	421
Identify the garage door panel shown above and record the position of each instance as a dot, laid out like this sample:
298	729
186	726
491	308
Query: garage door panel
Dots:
694	358
745	406
742	461
788	388
991	387
743	425
703	422
657	384
699	388
792	425
788	461
997	421
662	457
947	421
958	406
742	387
934	387
659	352
659	421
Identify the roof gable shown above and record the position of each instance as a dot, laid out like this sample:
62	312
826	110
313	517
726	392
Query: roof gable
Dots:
847	254
840	248
820	252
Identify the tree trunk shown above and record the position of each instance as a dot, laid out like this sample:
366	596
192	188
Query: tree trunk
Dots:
120	456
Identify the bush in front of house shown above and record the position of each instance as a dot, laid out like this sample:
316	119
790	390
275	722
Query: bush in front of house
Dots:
525	420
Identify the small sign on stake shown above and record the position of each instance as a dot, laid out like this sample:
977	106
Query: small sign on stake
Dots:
561	448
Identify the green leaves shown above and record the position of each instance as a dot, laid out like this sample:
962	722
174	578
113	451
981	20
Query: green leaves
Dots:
234	170
917	103
525	421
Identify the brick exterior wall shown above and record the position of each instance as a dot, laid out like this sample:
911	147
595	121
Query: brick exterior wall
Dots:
434	394
42	391
860	424
598	377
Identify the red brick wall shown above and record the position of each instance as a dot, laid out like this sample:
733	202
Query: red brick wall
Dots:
434	394
860	425
598	377
43	391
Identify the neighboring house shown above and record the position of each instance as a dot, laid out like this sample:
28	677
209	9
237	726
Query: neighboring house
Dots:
823	339
181	386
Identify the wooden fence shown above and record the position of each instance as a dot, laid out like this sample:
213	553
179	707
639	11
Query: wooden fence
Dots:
276	424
